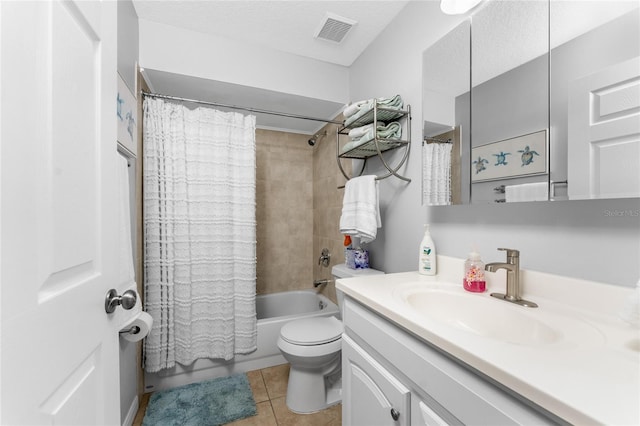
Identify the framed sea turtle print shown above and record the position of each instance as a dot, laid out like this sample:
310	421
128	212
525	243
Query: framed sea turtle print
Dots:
127	111
525	155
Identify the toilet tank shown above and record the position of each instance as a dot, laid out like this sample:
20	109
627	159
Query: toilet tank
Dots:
342	271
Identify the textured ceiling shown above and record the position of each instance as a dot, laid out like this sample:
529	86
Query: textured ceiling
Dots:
513	33
288	26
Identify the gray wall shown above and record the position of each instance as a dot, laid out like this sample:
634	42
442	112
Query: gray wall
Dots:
594	240
127	42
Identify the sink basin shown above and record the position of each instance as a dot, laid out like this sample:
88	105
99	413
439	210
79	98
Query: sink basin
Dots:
488	317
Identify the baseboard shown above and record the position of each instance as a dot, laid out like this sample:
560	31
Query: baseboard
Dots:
131	414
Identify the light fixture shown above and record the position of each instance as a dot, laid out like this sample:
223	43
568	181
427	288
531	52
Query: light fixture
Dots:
457	7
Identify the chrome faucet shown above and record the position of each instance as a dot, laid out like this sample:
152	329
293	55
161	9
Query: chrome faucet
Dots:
318	283
512	266
325	258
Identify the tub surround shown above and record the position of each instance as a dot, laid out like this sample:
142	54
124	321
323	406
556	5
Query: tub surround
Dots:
284	203
588	373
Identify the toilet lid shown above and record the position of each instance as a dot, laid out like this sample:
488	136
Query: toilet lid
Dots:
312	331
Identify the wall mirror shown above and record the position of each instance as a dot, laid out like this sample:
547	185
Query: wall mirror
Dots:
446	118
554	101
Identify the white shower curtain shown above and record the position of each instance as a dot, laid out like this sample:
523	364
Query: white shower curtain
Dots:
200	233
436	174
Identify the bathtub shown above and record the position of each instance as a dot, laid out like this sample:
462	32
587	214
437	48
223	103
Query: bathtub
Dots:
273	311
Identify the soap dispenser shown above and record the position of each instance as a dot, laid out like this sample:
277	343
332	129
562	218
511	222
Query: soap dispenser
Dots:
631	309
427	257
474	274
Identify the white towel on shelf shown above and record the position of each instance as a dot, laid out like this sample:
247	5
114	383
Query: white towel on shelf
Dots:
395	102
537	191
436	174
360	208
354	108
359	132
390	131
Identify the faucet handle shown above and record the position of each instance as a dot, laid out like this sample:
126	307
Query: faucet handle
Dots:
510	252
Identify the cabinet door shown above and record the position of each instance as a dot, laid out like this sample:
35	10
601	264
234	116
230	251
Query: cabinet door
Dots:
371	395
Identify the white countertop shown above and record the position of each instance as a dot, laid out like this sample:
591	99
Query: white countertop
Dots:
591	374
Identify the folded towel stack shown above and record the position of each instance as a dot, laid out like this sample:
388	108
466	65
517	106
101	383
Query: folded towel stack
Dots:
362	135
355	107
358	109
359	132
360	209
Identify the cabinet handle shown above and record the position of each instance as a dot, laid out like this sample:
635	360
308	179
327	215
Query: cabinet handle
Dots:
395	414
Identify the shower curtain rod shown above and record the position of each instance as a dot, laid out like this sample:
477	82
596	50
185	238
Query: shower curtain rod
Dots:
261	111
436	140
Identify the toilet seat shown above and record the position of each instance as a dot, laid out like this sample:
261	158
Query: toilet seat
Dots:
312	331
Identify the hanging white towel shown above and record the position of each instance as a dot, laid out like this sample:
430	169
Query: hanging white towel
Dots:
537	191
436	174
360	209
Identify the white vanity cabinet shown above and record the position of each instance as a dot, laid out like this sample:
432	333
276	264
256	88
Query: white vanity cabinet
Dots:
381	398
387	368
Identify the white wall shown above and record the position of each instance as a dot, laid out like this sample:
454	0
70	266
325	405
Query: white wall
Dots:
171	49
127	42
597	240
399	71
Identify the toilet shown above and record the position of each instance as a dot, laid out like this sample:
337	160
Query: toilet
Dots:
312	347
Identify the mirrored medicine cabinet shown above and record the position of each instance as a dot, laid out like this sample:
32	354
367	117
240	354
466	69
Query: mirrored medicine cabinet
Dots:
535	101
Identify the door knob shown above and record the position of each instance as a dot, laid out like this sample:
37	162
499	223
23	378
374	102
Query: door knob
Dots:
395	414
112	300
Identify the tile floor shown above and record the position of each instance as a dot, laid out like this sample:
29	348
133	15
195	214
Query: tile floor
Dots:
269	387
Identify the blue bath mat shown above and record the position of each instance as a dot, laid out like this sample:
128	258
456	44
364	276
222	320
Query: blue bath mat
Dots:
213	402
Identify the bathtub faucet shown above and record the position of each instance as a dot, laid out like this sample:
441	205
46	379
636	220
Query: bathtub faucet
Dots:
325	258
318	283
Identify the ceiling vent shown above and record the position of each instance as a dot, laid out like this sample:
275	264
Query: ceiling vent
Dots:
334	28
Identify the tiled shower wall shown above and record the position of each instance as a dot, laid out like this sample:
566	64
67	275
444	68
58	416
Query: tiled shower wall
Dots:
298	207
284	211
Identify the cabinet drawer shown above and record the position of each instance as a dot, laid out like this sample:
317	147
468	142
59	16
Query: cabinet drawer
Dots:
464	393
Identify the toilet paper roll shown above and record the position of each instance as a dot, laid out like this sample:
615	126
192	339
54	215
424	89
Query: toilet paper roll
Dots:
138	328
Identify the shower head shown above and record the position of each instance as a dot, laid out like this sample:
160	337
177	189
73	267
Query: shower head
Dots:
315	138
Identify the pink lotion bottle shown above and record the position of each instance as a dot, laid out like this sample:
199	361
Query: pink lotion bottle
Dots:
474	274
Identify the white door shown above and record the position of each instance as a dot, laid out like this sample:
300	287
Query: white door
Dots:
59	349
604	133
